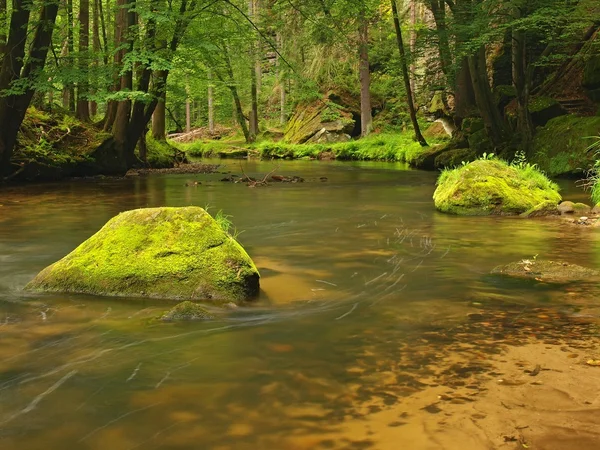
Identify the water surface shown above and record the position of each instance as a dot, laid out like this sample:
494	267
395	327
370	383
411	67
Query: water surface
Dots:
369	298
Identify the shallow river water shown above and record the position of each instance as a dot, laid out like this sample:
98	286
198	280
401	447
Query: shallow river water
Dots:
370	301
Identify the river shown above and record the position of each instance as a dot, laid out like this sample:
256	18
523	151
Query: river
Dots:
371	300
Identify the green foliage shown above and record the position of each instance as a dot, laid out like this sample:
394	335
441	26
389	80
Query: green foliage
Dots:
593	180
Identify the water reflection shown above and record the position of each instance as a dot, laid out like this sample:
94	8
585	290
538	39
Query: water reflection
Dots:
373	305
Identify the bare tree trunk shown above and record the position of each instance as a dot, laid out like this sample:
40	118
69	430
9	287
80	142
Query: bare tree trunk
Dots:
188	109
413	40
257	55
83	111
70	52
281	78
366	119
211	104
253	122
406	76
93	106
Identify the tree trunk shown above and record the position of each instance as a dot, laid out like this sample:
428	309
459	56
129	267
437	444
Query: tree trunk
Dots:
159	119
211	105
93	106
281	78
411	106
464	95
123	113
83	110
412	45
121	31
521	84
71	52
484	98
13	107
366	118
253	120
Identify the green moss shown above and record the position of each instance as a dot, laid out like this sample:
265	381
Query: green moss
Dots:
560	148
161	154
538	104
186	311
492	186
376	147
548	271
173	253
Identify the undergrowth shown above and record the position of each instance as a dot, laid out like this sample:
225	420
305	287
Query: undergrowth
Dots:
381	147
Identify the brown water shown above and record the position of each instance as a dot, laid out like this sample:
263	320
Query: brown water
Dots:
371	299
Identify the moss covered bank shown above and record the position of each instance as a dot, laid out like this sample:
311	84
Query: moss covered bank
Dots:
170	253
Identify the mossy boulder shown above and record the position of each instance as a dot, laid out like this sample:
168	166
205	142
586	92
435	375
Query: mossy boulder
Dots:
544	109
169	253
561	147
492	186
320	116
187	311
546	208
479	142
548	271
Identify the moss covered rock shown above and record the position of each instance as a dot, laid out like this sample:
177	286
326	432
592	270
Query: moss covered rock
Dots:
544	109
548	271
492	186
325	116
170	253
560	148
186	311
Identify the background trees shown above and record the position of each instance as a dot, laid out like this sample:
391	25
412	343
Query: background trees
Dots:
128	65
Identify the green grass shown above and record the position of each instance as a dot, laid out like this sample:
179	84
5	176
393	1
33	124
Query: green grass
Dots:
377	147
594	176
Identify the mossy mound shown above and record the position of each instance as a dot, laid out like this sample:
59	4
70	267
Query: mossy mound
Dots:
170	253
493	186
548	271
186	311
561	147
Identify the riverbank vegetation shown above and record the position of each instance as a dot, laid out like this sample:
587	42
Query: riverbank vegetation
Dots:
321	79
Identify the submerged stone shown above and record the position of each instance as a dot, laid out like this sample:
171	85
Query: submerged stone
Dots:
170	253
549	271
187	311
492	186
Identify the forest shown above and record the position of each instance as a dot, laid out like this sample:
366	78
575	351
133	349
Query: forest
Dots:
299	224
85	86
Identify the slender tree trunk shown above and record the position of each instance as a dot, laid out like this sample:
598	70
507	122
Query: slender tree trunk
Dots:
188	108
253	122
366	119
464	95
258	53
281	78
412	40
409	97
13	107
93	106
83	110
159	119
211	104
70	52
